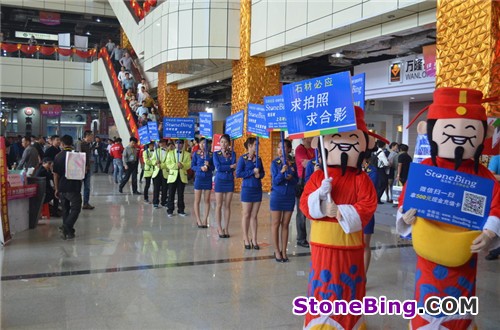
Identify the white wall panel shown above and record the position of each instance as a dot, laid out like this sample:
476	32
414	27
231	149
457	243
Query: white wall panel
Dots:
295	34
376	7
10	75
185	28
218	27
53	78
275	17
339	5
318	8
173	19
201	24
259	21
32	76
319	26
296	14
347	16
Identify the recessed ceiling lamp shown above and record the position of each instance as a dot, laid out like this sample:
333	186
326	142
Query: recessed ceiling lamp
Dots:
338	55
88	33
46	102
218	81
208	101
98	20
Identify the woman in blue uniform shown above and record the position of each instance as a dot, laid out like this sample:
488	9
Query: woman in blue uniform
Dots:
203	166
284	181
251	191
225	164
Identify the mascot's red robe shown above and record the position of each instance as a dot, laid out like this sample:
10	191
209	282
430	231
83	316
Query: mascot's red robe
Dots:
445	266
337	269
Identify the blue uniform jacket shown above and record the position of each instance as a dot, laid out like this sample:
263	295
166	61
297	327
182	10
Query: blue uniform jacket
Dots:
309	169
244	170
198	162
223	171
280	184
372	173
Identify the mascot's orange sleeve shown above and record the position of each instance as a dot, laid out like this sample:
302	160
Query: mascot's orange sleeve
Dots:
352	188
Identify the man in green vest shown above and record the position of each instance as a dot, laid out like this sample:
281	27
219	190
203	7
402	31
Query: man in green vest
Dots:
178	162
160	174
149	168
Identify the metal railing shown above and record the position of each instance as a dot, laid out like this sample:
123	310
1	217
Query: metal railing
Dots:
48	52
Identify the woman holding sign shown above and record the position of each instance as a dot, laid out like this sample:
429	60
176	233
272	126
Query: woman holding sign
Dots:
225	164
284	179
250	169
203	166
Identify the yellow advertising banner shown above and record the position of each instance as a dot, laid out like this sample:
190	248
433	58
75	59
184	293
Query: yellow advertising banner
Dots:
4	213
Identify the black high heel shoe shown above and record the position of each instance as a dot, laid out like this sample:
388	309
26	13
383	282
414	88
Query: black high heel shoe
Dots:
226	235
247	247
277	260
220	235
255	246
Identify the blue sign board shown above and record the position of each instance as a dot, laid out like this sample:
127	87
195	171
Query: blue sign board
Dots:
178	128
319	106
206	123
358	90
257	122
144	137
275	112
234	125
153	131
448	196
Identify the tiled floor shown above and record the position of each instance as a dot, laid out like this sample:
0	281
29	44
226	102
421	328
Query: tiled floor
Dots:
132	268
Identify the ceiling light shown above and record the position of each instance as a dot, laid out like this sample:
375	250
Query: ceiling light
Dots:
98	20
208	101
82	107
338	55
91	108
46	102
218	81
76	110
88	33
412	98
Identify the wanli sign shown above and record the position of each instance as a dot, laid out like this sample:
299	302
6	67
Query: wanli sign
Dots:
411	69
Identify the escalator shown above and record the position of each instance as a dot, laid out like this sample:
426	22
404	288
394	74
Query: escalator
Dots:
104	73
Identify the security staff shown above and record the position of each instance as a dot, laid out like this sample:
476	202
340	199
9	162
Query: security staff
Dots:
160	174
149	167
178	162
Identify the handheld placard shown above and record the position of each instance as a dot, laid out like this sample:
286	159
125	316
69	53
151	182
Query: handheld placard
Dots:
325	168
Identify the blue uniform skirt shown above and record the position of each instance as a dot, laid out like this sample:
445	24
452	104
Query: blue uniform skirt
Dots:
370	227
251	194
202	183
281	202
224	186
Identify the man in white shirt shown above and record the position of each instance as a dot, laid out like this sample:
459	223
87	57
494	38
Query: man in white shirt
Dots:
382	166
110	46
121	75
141	84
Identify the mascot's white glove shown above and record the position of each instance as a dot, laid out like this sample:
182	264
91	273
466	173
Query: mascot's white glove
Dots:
325	189
332	210
482	241
409	216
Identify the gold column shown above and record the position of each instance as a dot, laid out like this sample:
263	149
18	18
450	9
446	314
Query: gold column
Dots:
124	42
173	102
468	46
252	80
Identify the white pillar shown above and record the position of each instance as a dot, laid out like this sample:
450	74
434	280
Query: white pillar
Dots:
406	121
389	128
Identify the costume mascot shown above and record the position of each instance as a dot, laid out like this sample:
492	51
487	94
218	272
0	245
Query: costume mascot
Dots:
337	269
447	254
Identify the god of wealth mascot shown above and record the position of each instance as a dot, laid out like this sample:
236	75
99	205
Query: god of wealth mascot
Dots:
337	269
447	254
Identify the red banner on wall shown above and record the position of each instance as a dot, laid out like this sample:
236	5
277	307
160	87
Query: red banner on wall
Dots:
51	110
49	18
4	212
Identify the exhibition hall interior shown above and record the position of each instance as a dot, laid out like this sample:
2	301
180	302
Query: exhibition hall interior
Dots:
266	164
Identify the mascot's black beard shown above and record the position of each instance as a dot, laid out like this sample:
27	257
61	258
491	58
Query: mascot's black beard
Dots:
459	154
344	158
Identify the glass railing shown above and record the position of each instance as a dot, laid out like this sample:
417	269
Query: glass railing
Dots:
44	52
126	111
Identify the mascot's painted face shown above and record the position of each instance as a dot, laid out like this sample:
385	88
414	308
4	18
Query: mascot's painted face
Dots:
455	137
345	147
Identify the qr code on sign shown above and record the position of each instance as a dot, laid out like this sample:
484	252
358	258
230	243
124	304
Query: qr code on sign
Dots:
473	204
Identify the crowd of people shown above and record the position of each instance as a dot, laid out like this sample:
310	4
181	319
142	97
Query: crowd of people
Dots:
169	165
144	107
